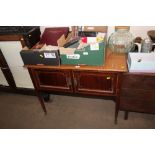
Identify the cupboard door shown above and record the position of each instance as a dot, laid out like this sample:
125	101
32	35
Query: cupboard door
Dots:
98	83
56	80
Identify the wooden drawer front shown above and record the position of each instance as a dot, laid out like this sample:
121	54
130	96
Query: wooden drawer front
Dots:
94	82
55	80
139	81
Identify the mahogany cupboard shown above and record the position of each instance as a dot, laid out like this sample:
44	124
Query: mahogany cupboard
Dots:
132	92
85	80
76	81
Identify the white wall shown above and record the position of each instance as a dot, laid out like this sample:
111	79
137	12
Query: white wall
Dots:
135	30
3	80
11	51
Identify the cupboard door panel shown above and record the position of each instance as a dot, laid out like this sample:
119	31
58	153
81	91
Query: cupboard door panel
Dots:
55	80
95	82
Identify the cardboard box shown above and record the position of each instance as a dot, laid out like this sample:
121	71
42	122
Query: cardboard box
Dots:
86	56
91	53
141	62
62	40
43	57
96	28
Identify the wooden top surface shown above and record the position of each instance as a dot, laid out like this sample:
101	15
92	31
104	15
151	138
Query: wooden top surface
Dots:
113	62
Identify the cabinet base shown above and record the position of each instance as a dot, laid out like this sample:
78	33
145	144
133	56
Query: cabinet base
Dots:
24	91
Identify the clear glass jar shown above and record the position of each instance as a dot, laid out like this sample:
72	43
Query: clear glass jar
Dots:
121	41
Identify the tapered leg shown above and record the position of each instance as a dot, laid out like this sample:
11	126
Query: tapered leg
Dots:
126	115
46	97
116	109
38	93
116	115
41	101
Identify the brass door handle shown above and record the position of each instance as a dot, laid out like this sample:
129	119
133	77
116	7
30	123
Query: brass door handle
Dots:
69	81
108	77
75	82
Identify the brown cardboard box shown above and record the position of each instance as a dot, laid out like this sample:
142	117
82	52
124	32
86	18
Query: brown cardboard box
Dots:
96	28
62	41
79	55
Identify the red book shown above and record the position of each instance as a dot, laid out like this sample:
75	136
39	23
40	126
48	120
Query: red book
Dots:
52	34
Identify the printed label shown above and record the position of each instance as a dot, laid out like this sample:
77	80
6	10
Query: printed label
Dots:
49	55
94	46
85	53
91	39
73	56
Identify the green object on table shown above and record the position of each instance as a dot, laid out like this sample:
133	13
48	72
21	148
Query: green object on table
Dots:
86	56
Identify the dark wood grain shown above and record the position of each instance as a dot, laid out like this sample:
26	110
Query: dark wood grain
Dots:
137	93
56	80
137	105
95	82
38	93
28	37
86	80
13	38
139	81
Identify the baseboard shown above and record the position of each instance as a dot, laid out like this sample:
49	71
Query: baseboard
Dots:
24	91
31	91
